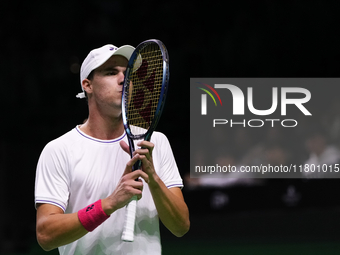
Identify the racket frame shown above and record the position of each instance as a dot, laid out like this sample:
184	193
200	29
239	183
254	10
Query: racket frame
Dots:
163	93
128	232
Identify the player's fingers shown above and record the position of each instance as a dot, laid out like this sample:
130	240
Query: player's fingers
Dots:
140	187
143	151
125	146
139	173
146	163
135	187
147	148
147	145
130	163
138	184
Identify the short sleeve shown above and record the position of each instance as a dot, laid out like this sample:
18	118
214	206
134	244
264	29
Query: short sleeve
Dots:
168	170
52	183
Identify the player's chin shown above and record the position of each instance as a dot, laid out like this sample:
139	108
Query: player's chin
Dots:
117	106
114	105
116	101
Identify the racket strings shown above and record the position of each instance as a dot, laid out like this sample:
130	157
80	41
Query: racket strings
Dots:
144	88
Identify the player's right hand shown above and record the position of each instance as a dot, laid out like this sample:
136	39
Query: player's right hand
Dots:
128	186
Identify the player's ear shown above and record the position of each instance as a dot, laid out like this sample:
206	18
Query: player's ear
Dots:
87	86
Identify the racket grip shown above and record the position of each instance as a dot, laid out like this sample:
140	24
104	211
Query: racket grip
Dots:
137	165
130	218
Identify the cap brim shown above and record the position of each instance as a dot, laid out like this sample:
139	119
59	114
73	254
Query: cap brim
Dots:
125	51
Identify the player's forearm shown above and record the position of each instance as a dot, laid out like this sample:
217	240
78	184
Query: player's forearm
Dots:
59	229
171	208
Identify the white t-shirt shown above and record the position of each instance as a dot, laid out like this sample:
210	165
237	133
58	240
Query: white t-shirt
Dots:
76	170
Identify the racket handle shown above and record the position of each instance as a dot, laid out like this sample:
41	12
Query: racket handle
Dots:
130	218
137	165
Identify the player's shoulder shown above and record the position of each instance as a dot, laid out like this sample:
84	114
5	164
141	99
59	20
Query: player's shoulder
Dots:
159	135
159	138
63	141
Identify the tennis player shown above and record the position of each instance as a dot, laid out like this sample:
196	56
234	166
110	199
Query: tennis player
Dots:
84	178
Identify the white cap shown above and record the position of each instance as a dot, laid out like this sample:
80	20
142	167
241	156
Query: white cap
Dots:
99	56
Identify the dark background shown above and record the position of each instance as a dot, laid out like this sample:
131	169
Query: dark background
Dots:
43	45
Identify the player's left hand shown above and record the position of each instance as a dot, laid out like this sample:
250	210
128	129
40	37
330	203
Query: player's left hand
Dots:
145	152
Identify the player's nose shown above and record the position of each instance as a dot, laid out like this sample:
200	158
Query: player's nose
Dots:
121	78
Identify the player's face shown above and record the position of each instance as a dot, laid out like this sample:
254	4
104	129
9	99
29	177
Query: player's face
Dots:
107	83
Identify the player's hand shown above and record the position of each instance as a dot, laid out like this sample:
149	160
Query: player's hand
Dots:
127	187
145	152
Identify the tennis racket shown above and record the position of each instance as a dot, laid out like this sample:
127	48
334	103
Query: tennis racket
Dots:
144	92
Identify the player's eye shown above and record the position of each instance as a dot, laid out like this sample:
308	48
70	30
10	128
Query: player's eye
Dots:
112	72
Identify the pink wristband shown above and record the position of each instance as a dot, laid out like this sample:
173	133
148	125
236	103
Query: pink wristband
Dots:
92	216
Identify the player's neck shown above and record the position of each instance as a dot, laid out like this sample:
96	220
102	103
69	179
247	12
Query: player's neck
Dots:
104	128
